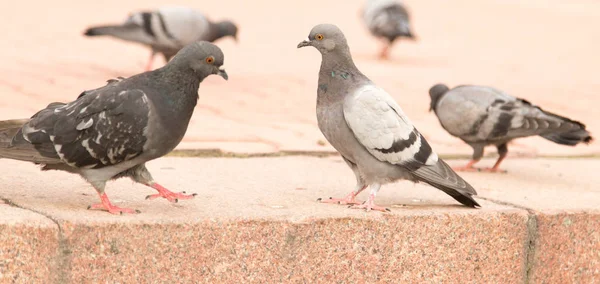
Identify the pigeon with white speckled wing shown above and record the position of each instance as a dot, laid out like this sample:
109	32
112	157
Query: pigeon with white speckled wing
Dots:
166	30
112	131
370	130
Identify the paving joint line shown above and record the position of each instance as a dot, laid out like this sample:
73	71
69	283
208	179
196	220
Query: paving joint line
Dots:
218	153
532	236
63	260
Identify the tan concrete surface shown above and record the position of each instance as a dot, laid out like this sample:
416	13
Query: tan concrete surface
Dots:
258	220
228	189
546	185
544	51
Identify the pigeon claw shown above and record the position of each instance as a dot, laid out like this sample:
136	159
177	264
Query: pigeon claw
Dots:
169	195
370	206
107	206
114	209
350	199
493	170
384	53
466	169
480	170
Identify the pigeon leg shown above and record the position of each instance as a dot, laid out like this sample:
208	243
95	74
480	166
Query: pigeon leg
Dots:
370	203
169	195
468	167
141	174
149	64
502	151
384	54
106	205
349	199
477	154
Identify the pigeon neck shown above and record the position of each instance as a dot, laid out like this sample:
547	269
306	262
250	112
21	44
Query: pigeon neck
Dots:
436	95
338	65
337	73
183	96
433	103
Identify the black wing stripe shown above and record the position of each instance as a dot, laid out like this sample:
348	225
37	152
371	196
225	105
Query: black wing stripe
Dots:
147	22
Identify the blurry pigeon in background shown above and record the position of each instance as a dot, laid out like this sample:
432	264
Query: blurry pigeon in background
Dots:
370	130
387	19
482	116
112	131
167	30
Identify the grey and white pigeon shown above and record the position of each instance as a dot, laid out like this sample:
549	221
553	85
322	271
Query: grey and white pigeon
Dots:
481	116
370	130
167	30
112	131
389	20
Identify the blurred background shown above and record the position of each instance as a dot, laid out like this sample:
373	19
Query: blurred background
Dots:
542	51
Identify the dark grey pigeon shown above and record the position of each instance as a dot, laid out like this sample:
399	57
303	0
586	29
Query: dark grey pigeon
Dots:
388	20
482	116
112	131
370	130
166	30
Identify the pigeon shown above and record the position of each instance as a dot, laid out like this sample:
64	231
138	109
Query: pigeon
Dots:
369	129
389	20
481	116
167	30
112	131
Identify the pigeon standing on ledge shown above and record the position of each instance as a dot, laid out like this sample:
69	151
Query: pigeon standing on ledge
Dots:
112	131
370	130
167	30
389	20
482	116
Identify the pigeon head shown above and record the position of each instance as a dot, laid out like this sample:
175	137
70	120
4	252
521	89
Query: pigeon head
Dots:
436	93
227	28
326	38
203	57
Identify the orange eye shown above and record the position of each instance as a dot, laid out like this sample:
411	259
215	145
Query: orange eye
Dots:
210	60
319	36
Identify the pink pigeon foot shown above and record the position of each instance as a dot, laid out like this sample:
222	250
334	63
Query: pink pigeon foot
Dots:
492	170
165	193
106	205
384	54
150	60
370	205
468	167
349	199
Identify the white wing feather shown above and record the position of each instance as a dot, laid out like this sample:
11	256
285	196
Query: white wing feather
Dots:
377	122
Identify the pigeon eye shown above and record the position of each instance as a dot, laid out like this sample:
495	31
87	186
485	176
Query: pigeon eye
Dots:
210	60
319	36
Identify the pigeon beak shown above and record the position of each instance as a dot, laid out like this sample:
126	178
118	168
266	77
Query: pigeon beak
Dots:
223	74
304	43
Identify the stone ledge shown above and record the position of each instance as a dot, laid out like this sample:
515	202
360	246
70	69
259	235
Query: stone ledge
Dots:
256	220
28	246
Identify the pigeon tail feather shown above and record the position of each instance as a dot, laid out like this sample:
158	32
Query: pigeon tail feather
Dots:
8	129
571	137
11	147
98	31
442	177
